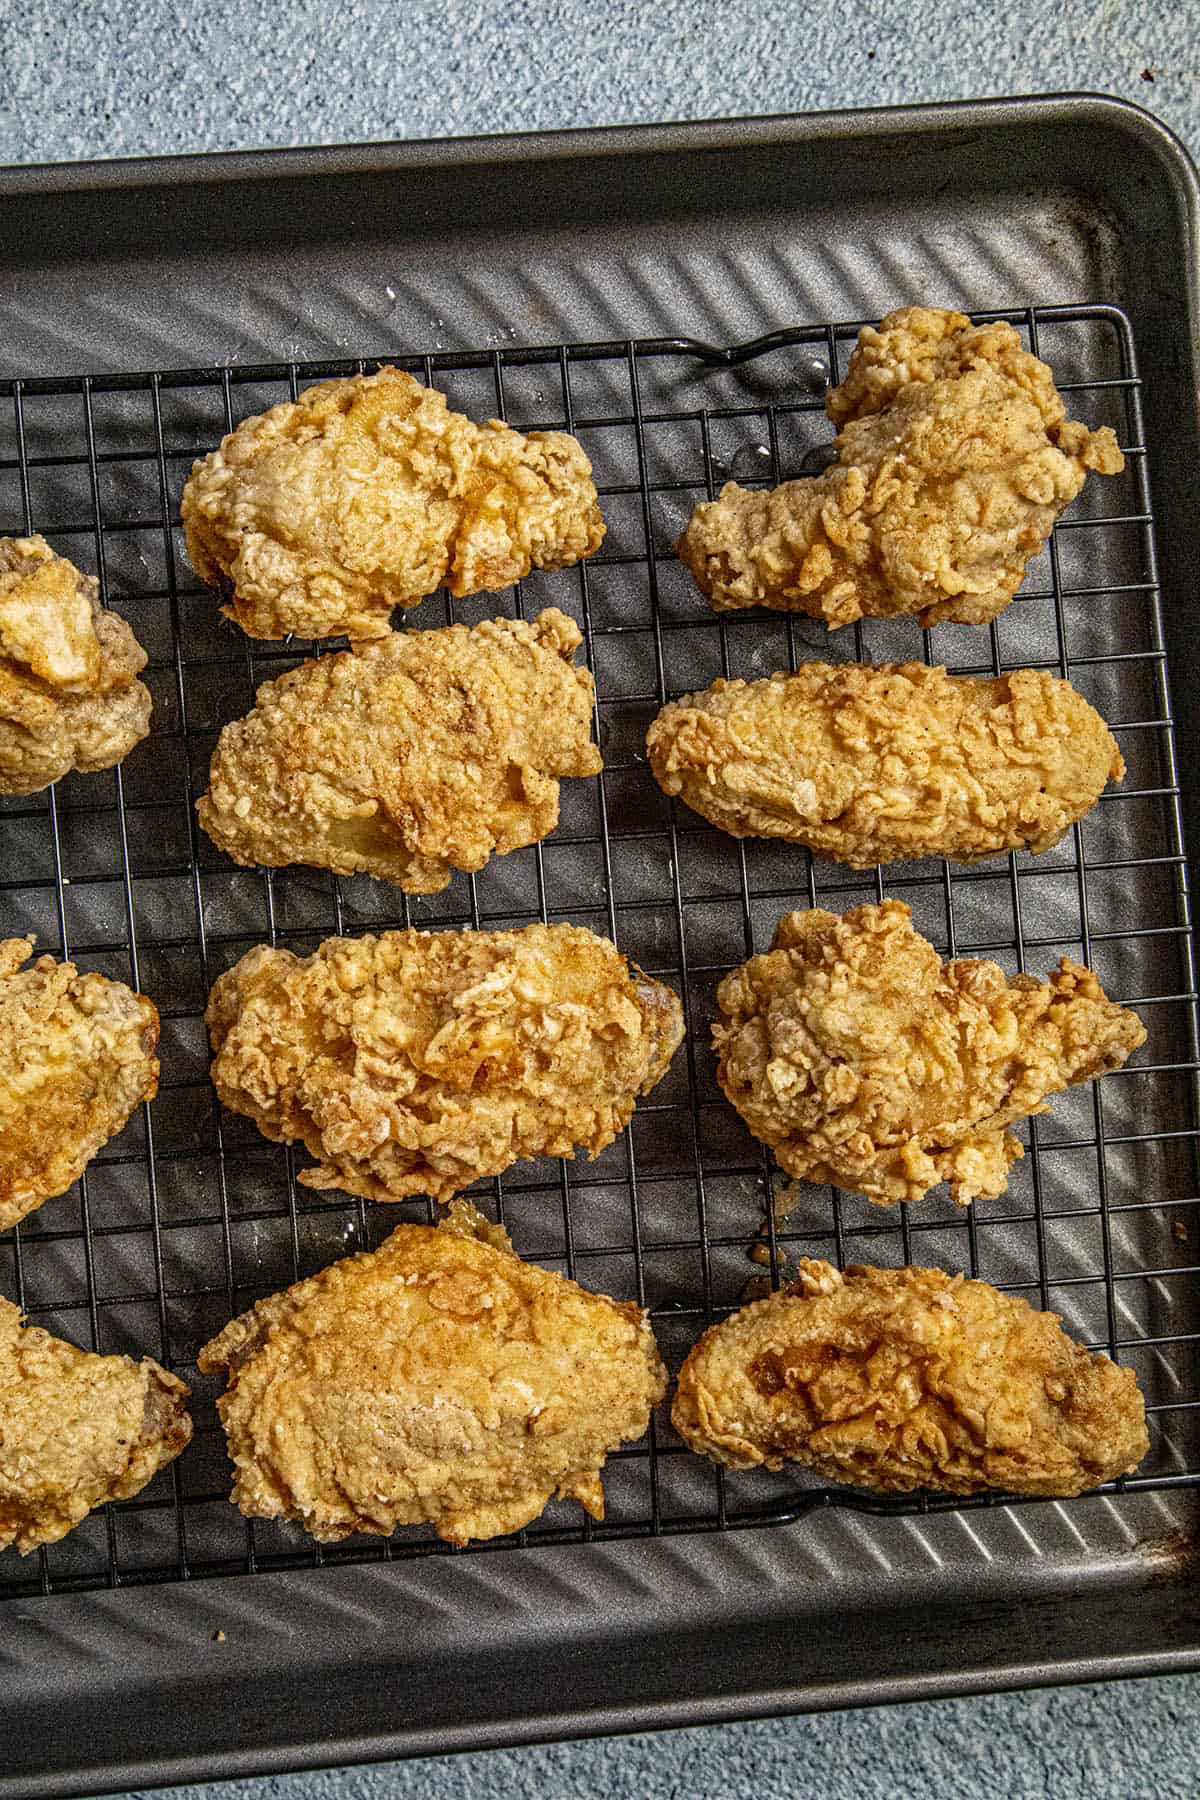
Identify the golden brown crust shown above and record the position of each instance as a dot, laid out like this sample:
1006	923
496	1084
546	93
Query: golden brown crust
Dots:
322	515
70	699
417	754
896	1379
415	1062
78	1056
439	1379
954	458
867	1062
76	1430
876	765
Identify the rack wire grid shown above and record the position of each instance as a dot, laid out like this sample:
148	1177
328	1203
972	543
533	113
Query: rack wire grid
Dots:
189	1215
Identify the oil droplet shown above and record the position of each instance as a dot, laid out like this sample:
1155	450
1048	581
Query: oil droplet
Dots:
751	463
818	459
786	1198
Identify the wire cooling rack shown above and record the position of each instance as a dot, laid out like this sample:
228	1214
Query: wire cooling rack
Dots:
189	1215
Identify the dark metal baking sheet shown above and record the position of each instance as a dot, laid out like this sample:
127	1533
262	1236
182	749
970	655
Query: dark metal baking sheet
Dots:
721	231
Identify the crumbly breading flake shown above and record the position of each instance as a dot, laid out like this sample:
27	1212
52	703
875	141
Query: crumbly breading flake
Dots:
76	1430
895	1379
875	765
322	515
416	1062
412	756
439	1379
954	459
70	699
865	1061
78	1056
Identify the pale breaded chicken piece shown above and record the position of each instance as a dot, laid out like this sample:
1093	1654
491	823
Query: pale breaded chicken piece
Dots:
323	514
865	1061
877	765
77	1056
416	754
438	1380
77	1429
954	459
415	1062
69	694
895	1379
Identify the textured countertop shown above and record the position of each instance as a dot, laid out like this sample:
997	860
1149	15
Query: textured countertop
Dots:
106	78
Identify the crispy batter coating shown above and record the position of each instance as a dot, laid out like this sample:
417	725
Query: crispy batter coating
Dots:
439	1379
416	754
876	765
867	1062
895	1379
415	1062
69	694
322	515
76	1429
77	1057
954	458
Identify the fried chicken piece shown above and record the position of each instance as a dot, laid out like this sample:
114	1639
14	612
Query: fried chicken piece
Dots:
895	1379
865	1061
323	514
416	1062
416	754
438	1380
69	694
77	1429
876	765
954	459
78	1056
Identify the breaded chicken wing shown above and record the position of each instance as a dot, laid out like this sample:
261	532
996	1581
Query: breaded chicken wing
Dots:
69	694
322	515
416	754
865	1061
415	1062
954	459
895	1379
876	765
439	1379
76	1429
77	1056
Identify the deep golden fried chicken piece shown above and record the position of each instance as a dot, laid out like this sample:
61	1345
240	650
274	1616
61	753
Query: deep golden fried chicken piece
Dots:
322	515
415	1062
954	459
76	1429
77	1056
865	1061
416	754
440	1380
69	694
877	765
895	1379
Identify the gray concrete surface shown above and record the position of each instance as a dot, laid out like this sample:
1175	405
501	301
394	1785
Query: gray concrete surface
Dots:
127	77
122	77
